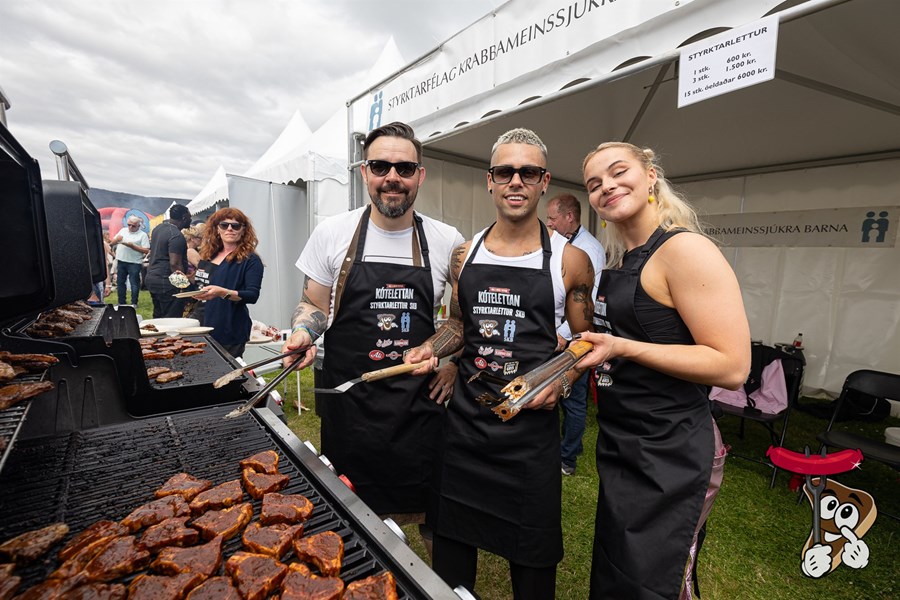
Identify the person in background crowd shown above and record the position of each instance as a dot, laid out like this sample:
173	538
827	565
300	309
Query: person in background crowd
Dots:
498	485
231	277
193	235
101	289
670	322
564	216
168	255
131	244
381	287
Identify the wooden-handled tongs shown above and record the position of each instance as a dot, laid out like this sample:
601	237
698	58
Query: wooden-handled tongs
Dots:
232	375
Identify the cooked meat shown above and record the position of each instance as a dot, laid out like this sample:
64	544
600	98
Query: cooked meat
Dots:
195	344
13	393
169	376
9	583
119	557
19	370
192	351
158	354
227	522
153	372
46	360
65	316
262	462
284	508
376	587
7	373
171	532
324	550
156	511
273	540
75	564
33	544
3	443
158	587
6	569
101	531
49	590
222	496
80	306
255	575
215	588
149	327
97	591
260	484
183	484
48	329
301	584
204	559
168	348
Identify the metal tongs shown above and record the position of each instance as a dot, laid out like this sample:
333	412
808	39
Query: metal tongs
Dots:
232	375
258	396
522	390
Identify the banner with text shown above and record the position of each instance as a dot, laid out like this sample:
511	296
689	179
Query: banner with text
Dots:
515	40
867	227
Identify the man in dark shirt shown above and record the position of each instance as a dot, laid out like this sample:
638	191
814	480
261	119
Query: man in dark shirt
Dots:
168	254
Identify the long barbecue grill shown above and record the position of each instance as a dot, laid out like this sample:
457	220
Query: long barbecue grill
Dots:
99	444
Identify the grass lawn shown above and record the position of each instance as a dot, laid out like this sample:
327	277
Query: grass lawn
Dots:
755	534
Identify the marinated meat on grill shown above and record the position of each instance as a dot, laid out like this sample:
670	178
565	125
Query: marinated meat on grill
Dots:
153	372
33	544
255	575
171	532
222	496
324	550
262	462
204	559
227	522
159	587
13	393
65	316
49	330
169	376
301	584
377	587
215	588
149	327
273	540
260	484
7	373
101	531
158	355
119	557
284	508
9	583
97	591
39	362
49	590
156	511
183	484
79	306
191	351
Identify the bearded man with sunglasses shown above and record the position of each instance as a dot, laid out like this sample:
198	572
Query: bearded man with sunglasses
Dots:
375	277
498	485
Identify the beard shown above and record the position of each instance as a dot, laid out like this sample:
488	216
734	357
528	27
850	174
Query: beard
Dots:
394	209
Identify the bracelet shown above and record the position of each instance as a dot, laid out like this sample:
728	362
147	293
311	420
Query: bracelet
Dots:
312	334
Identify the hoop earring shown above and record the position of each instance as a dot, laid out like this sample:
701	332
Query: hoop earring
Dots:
490	190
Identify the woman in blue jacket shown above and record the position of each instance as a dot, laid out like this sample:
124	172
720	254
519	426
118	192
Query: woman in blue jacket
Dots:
230	274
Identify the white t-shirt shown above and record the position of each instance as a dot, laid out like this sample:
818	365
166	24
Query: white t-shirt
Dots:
327	246
138	238
594	249
532	260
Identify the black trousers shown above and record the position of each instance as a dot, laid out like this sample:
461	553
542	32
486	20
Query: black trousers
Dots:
457	563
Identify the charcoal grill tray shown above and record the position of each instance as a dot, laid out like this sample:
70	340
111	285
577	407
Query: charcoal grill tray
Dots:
105	473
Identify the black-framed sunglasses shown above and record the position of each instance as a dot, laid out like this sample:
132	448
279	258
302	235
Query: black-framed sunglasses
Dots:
134	224
529	174
223	225
380	168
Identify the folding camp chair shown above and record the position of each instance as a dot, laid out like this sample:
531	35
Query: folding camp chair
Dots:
768	396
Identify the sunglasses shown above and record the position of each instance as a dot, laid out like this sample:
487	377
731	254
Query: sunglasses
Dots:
134	224
529	175
230	225
380	168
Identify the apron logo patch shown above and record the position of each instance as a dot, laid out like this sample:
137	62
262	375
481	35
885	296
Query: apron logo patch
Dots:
495	366
501	353
376	355
404	322
386	322
480	363
604	381
488	328
510	367
600	308
509	331
394	355
384	343
401	343
485	350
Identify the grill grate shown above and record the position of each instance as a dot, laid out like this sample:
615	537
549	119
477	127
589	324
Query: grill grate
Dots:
85	476
202	368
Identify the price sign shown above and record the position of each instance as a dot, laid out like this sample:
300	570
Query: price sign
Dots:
729	61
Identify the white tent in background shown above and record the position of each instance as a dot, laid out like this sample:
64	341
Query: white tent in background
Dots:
295	133
214	191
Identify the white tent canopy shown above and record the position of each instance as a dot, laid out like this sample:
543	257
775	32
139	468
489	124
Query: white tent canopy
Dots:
215	190
295	133
824	133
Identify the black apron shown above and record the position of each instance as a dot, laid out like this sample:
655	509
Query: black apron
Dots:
655	450
499	484
381	435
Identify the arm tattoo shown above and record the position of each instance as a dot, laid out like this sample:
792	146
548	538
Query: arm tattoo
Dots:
308	313
582	295
448	338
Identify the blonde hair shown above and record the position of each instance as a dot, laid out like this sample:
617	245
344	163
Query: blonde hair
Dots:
673	210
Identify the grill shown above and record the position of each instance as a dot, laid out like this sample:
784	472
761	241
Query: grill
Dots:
81	477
